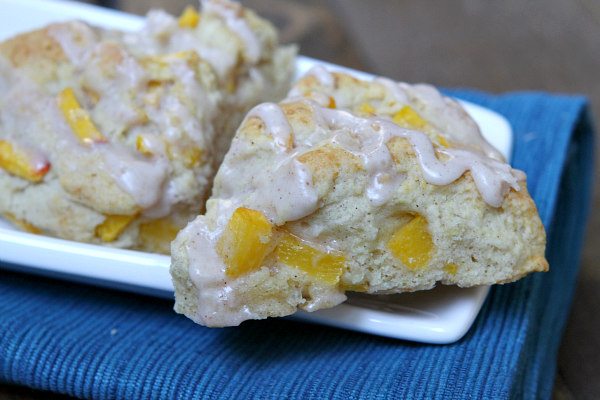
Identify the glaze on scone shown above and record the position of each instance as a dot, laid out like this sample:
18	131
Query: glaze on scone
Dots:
241	47
350	185
104	139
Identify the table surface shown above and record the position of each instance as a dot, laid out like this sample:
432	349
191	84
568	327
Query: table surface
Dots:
549	45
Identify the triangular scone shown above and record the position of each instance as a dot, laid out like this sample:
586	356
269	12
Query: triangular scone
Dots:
121	143
325	193
107	139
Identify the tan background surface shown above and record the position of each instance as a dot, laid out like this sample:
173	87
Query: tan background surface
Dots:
551	45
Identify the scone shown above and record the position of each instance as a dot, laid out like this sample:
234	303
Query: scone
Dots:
103	144
353	185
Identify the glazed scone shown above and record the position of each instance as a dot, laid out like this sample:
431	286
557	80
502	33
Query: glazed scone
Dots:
352	185
113	148
104	144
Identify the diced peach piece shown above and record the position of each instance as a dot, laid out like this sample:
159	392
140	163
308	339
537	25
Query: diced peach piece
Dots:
157	63
21	223
192	156
366	108
17	162
412	243
112	227
245	242
189	55
141	146
189	18
442	140
332	103
408	118
78	118
158	234
327	267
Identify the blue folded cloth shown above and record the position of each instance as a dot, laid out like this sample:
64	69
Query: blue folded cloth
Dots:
102	344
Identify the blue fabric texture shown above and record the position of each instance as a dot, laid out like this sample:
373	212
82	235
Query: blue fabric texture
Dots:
95	343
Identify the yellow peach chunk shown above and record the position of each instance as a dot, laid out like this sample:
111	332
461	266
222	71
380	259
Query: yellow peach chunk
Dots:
442	140
332	103
328	267
189	18
188	55
16	162
188	153
408	118
156	64
22	224
112	227
366	108
78	118
192	156
451	268
245	242
142	146
412	243
158	234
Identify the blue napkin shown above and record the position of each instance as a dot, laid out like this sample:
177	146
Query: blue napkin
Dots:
102	344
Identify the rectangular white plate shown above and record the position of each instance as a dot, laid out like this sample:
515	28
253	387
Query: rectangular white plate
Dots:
442	315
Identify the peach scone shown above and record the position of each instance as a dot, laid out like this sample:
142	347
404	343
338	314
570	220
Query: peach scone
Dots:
352	185
104	144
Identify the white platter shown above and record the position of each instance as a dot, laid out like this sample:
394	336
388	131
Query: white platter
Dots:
442	315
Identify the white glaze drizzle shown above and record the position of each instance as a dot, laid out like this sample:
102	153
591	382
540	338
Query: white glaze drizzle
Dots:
216	295
275	123
146	179
372	150
445	114
323	75
448	116
492	178
292	195
283	191
232	15
394	88
142	179
368	138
